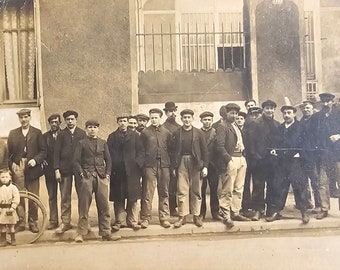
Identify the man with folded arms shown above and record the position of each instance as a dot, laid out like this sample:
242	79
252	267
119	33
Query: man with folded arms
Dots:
156	146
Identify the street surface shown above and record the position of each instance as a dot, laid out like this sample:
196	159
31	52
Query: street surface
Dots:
285	250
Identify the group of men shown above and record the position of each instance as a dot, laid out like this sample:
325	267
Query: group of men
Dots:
248	159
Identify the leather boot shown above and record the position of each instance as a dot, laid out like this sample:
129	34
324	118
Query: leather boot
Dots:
3	241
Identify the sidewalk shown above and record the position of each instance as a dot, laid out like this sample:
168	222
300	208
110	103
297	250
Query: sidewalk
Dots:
290	221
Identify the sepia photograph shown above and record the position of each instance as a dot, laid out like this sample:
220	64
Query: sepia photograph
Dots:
169	134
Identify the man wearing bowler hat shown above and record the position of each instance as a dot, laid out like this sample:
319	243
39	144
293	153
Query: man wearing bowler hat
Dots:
63	156
288	172
170	124
142	120
92	167
156	142
190	163
263	134
326	127
26	152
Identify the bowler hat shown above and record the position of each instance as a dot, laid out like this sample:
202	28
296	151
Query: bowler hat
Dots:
269	103
326	97
232	106
143	116
156	110
24	111
187	111
92	122
169	106
68	113
288	107
206	114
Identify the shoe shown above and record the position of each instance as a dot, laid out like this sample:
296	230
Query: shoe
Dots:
20	228
228	222
322	215
216	216
165	224
135	227
3	241
316	210
305	218
52	226
63	228
198	221
174	213
115	228
13	242
257	216
34	227
273	217
79	239
144	224
111	238
179	223
240	218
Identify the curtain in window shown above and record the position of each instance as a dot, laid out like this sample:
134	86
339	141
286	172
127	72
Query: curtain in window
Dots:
19	51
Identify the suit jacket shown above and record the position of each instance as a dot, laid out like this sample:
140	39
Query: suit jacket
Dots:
226	140
127	162
88	159
290	140
199	148
35	149
210	136
156	143
172	126
3	154
64	149
262	137
50	145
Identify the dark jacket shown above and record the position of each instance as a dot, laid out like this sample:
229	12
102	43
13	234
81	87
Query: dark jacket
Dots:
307	140
3	154
156	143
127	161
50	144
172	126
210	137
226	140
263	134
89	158
199	149
36	149
289	142
64	149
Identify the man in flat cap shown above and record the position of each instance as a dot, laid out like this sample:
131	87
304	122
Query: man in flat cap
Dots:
222	115
308	158
54	120
263	134
127	163
156	142
240	119
170	124
63	156
190	162
26	152
288	172
92	167
232	166
142	120
212	177
326	127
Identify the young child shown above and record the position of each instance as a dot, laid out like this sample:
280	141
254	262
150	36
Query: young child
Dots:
9	200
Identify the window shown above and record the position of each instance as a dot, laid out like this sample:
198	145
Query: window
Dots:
17	52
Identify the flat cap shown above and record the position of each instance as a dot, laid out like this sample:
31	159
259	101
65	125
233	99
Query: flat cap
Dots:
243	114
68	113
187	111
170	106
269	103
288	107
232	106
143	116
121	116
222	111
92	122
255	110
24	111
156	110
326	96
206	114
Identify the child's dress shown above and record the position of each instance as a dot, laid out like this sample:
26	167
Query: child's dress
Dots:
9	197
